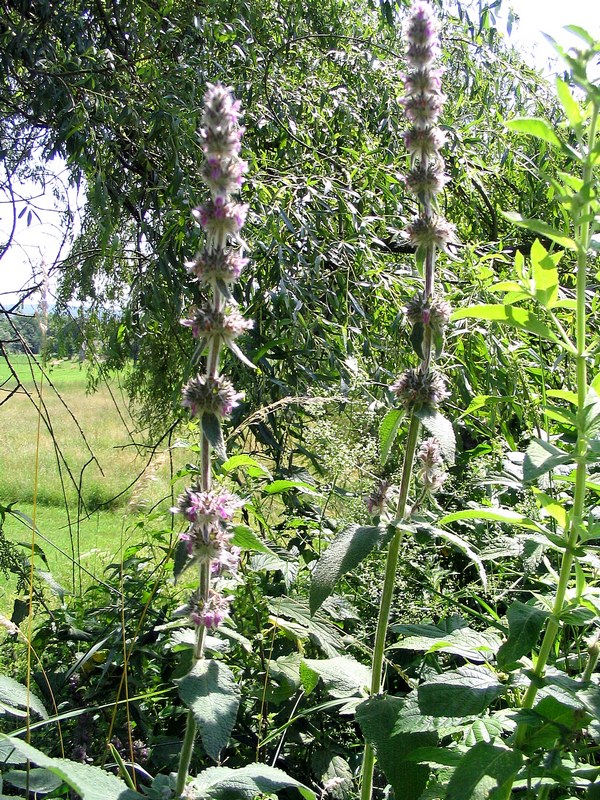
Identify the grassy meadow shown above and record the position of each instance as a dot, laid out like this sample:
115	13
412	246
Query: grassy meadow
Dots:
80	477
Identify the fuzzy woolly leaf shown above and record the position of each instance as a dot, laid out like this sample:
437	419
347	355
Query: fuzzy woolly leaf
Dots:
462	692
245	783
441	429
483	768
13	695
212	429
90	783
541	457
388	430
342	676
213	696
344	553
524	624
377	718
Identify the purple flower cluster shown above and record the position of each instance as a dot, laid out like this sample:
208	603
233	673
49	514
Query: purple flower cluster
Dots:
209	534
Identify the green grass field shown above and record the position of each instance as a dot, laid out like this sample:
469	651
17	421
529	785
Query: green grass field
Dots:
80	475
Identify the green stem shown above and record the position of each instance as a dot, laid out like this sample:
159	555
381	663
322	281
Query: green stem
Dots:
387	595
187	748
582	234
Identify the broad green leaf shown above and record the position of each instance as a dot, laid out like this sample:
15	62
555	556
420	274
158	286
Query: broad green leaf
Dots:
538	226
545	274
344	553
247	539
38	780
342	676
241	460
552	507
411	720
90	783
506	515
534	126
339	770
13	695
441	429
308	677
466	643
305	626
213	431
541	457
515	317
388	431
483	768
244	784
463	692
213	696
377	718
483	729
525	624
591	408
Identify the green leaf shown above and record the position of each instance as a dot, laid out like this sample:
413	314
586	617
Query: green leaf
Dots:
388	431
463	692
515	317
416	338
247	539
441	429
13	695
90	783
541	457
339	769
38	780
212	429
483	768
506	515
377	718
538	226
343	676
255	468
277	487
181	559
245	783
525	623
308	677
304	626
545	274
534	126
463	642
344	553
213	696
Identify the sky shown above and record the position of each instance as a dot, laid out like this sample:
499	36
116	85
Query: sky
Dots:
41	239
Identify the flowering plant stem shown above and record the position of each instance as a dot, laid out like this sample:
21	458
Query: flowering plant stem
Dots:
581	222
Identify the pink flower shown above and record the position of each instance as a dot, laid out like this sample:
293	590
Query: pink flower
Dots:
215	395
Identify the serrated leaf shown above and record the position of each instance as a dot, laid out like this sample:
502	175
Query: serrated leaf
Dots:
541	457
305	626
308	677
245	538
463	692
483	768
245	783
344	553
343	676
377	718
534	126
473	645
90	783
515	317
441	429
14	695
388	430
338	770
525	623
213	696
538	226
213	431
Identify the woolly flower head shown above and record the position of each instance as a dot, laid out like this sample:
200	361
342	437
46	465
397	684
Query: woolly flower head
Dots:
220	133
422	35
424	142
213	395
227	325
210	613
431	463
431	231
211	507
219	266
222	220
433	311
427	179
416	388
